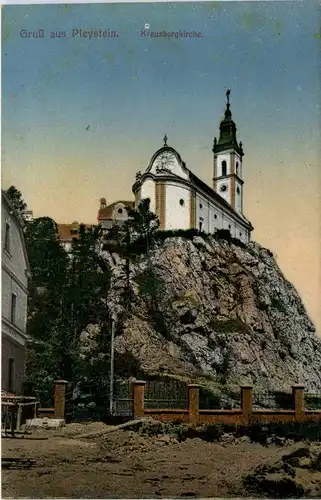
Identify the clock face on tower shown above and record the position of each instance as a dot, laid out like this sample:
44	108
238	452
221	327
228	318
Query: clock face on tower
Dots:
165	160
223	188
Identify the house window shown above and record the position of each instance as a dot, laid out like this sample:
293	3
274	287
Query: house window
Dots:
215	216
229	226
181	202
7	238
11	375
240	234
224	167
13	307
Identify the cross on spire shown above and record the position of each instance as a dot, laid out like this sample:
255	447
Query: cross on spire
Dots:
228	97
228	113
165	140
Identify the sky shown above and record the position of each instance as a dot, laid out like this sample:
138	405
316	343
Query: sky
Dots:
81	116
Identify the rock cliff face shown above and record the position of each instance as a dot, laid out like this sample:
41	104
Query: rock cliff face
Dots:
217	310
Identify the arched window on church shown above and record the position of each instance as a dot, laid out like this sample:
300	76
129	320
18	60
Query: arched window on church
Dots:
224	167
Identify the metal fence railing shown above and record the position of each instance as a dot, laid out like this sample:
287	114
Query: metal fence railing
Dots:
273	400
312	401
123	398
169	394
209	400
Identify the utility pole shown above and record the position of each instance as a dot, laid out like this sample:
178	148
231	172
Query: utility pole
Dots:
111	388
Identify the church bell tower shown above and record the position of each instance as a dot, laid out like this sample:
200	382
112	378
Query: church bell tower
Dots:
228	154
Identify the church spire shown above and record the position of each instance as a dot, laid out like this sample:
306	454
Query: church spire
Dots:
227	139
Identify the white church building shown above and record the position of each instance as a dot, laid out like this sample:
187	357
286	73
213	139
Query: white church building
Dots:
181	200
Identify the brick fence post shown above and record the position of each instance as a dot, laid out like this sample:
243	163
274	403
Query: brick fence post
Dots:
139	398
193	403
298	399
60	398
247	402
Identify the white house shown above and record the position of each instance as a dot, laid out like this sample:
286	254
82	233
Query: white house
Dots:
15	271
181	200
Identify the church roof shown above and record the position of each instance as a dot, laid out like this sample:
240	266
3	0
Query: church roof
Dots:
106	213
208	190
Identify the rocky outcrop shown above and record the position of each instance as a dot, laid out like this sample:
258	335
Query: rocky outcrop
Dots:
219	310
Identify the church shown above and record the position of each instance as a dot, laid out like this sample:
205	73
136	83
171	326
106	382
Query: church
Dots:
181	200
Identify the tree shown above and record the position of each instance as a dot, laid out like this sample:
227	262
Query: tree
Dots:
144	224
132	239
47	257
85	297
92	372
67	293
119	240
16	199
89	281
49	264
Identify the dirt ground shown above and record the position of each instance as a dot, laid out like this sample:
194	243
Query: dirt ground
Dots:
125	464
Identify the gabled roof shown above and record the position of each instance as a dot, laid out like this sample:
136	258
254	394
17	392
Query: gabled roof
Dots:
107	212
161	150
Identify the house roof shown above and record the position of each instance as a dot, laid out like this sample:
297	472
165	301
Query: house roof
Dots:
66	232
107	212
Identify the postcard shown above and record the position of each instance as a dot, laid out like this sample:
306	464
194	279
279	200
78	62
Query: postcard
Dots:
161	217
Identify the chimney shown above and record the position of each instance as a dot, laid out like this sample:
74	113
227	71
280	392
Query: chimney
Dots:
103	203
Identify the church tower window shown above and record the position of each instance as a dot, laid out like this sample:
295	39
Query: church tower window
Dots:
237	168
224	167
181	202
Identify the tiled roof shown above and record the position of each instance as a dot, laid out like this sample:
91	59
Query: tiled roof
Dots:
107	212
66	232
